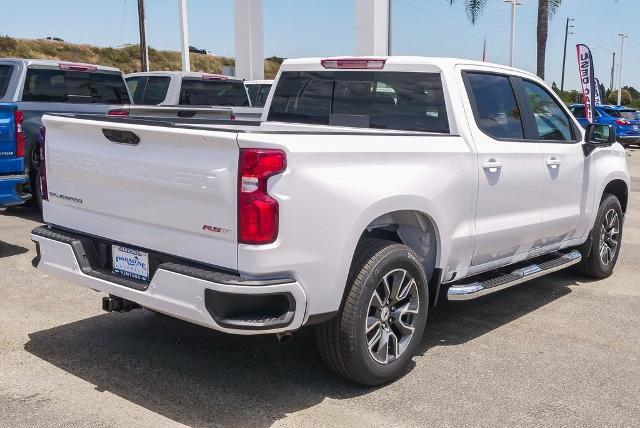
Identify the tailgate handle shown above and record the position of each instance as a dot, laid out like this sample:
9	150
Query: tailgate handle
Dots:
121	137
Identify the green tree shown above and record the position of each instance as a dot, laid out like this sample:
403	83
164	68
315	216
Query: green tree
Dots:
626	97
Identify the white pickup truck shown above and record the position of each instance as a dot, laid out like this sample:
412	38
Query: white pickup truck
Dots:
372	188
176	88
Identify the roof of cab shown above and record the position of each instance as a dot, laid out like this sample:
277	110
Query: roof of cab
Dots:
437	62
56	63
181	74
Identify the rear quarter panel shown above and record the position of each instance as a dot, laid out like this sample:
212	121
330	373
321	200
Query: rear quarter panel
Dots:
335	185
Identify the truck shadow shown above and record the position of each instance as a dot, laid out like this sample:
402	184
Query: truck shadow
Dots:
9	250
196	376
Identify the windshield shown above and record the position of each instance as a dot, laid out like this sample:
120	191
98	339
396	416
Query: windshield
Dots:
213	93
362	99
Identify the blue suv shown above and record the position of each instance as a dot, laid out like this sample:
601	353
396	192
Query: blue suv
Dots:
625	119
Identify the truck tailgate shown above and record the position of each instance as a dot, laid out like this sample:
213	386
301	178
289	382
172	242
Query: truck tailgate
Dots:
173	191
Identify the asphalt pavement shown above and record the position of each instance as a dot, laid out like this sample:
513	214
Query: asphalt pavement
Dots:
558	351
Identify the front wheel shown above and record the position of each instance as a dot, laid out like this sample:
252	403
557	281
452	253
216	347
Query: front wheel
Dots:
606	238
383	317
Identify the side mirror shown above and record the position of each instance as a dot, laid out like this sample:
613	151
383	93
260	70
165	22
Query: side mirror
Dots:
598	136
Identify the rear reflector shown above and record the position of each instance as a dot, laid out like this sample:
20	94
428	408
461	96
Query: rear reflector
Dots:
77	67
118	112
21	141
354	63
258	212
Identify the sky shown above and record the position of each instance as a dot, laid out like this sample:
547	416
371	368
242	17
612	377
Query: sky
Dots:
311	28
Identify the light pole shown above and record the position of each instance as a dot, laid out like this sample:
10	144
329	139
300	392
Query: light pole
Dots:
512	42
564	55
184	35
622	37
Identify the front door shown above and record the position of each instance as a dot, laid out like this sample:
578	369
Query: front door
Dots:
566	169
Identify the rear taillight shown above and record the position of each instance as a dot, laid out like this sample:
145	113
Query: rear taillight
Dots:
44	191
257	211
622	122
21	141
118	112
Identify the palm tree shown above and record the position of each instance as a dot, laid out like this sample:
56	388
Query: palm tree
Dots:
546	9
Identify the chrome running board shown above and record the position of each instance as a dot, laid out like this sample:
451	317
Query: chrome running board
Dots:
475	289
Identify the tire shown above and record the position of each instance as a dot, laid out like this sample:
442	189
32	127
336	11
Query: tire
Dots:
344	342
606	239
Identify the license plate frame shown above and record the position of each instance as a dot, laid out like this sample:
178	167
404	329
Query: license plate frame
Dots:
130	263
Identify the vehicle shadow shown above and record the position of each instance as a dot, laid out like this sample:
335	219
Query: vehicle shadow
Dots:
453	323
8	250
25	212
196	376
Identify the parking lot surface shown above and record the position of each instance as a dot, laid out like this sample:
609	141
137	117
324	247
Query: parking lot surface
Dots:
558	351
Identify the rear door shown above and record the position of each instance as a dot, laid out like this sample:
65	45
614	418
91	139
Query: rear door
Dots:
508	211
169	190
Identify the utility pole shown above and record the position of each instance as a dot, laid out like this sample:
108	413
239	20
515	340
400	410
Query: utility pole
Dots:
389	29
564	55
622	37
144	49
184	35
512	43
613	70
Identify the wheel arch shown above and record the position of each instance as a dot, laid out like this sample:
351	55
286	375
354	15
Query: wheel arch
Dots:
417	230
620	190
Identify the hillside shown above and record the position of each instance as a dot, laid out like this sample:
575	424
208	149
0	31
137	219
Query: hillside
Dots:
126	58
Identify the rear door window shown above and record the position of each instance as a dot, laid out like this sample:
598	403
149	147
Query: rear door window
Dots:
363	99
50	85
213	93
495	106
5	77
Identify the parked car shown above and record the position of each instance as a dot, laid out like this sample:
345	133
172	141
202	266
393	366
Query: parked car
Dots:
194	89
46	86
194	49
368	193
258	91
12	149
626	120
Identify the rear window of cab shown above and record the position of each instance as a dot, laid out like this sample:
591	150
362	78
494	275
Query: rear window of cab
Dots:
407	101
5	78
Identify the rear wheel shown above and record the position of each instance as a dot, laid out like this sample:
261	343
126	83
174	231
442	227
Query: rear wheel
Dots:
382	320
606	238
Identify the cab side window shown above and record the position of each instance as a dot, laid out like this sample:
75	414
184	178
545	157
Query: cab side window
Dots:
551	121
496	110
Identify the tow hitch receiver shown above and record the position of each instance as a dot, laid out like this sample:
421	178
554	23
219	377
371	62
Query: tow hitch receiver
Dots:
118	304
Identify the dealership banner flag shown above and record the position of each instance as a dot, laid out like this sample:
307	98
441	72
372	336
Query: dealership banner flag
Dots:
587	80
598	95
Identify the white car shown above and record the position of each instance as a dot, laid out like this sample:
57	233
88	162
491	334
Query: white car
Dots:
258	91
372	188
177	88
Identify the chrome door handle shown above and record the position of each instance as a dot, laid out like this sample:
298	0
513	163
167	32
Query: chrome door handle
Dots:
492	165
553	162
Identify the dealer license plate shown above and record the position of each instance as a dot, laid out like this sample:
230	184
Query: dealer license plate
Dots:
131	263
